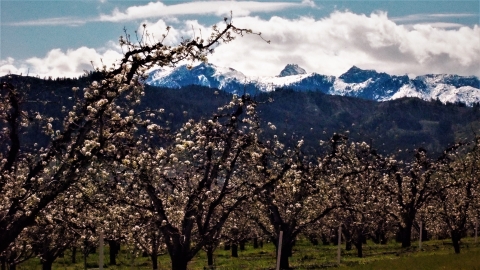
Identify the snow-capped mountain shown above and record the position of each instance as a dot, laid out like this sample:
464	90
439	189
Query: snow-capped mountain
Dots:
292	69
356	82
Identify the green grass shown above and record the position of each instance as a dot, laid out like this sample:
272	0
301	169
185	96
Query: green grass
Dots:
468	260
436	254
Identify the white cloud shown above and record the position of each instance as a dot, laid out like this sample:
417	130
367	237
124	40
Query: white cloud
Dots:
432	17
8	66
154	32
73	62
309	3
160	10
333	44
436	25
219	8
58	63
65	21
327	46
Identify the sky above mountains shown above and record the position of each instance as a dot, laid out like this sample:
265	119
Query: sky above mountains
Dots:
61	38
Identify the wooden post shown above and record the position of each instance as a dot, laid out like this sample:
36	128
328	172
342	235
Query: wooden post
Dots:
476	229
279	251
100	255
420	238
339	250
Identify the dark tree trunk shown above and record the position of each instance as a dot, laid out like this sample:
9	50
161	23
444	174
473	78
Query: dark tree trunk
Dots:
234	250
179	263
348	245
154	255
261	243
226	246
47	264
313	239
384	240
382	236
12	267
456	241
290	250
405	235
348	238
406	232
74	255
359	244
360	250
287	246
154	259
113	251
286	254
255	242
242	245
210	256
325	241
3	263
425	236
375	238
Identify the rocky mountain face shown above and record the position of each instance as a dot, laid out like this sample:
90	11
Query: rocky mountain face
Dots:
356	82
292	69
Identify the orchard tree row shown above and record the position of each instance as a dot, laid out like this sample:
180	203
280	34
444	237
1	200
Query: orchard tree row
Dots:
112	170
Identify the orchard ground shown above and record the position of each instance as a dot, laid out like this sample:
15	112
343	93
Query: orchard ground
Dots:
435	254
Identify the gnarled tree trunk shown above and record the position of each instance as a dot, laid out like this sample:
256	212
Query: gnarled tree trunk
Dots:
234	250
210	256
47	264
456	240
114	248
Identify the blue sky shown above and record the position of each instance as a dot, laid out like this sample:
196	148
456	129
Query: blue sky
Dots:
61	38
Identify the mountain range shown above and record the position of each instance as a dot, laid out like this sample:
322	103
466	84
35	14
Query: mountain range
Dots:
356	82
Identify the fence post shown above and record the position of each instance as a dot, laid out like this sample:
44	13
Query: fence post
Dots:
339	251
476	229
420	238
279	251
100	255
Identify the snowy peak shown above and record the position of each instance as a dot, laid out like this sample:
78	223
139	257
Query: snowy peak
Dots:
357	75
368	84
356	82
204	74
292	69
446	88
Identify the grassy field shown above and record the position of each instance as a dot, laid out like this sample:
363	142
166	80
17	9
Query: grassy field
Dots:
434	255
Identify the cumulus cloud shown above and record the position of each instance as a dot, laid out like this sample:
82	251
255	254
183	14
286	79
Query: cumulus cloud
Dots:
8	66
219	8
330	45
333	44
58	63
157	31
74	62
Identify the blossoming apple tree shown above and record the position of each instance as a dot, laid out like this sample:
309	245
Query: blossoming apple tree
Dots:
31	178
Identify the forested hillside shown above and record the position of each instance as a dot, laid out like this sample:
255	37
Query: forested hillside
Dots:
390	126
